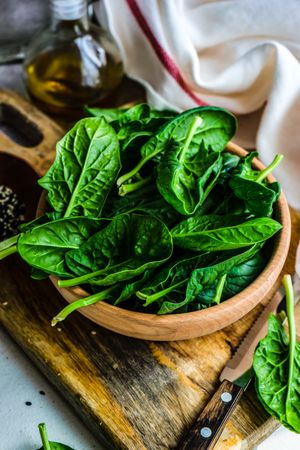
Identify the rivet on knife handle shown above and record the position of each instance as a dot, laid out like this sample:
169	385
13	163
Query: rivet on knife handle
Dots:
209	425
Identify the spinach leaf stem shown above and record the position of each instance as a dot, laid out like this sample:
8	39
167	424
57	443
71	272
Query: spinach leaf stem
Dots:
288	287
154	297
131	187
196	123
9	242
8	251
44	436
264	173
83	278
219	289
132	172
86	301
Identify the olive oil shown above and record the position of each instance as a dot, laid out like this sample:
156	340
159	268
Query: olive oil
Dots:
72	63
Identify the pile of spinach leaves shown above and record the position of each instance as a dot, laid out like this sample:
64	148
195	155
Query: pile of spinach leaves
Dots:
148	211
276	364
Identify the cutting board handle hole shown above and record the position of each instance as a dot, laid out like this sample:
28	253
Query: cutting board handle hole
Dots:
18	128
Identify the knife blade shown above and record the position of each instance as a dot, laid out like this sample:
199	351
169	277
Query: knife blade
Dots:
235	377
239	365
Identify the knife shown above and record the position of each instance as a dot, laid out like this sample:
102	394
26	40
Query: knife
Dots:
235	377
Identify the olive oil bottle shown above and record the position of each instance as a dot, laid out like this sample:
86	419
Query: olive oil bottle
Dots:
73	62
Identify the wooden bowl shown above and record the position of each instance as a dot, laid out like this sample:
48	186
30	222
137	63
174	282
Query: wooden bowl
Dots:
197	323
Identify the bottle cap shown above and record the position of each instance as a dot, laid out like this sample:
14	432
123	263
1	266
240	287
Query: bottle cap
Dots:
68	9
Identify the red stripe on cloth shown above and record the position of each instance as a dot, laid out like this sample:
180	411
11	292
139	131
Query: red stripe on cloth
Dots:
163	56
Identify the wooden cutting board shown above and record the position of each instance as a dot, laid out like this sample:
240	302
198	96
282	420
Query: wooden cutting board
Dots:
137	395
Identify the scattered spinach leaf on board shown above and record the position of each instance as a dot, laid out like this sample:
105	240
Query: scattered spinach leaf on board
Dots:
276	364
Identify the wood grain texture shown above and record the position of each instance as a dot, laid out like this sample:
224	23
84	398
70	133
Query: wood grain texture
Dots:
18	113
140	395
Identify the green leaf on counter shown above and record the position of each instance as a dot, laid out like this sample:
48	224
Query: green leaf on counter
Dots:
276	365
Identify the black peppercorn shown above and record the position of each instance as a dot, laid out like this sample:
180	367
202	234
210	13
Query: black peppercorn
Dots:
11	212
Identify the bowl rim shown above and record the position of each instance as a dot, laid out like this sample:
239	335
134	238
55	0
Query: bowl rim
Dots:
240	300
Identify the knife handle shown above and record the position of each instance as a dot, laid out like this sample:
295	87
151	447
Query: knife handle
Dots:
209	425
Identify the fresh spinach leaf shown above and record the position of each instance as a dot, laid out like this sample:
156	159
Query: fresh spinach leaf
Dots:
37	274
139	121
129	245
8	244
204	299
33	223
250	186
160	209
84	171
233	283
218	126
109	114
199	279
146	200
230	162
242	275
143	112
276	364
221	199
203	278
44	247
172	278
187	173
131	135
173	166
130	289
216	233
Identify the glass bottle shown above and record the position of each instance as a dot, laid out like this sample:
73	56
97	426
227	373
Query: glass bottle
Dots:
73	62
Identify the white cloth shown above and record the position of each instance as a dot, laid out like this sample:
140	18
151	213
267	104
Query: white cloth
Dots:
238	54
